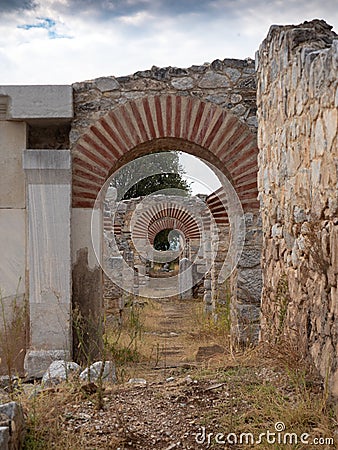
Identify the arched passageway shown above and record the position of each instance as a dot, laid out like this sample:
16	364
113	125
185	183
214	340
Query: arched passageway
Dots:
162	123
165	123
75	137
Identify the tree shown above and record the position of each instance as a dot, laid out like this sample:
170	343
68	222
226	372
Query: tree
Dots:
150	174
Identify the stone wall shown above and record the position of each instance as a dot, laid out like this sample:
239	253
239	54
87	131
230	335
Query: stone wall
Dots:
298	171
230	83
246	285
12	242
35	226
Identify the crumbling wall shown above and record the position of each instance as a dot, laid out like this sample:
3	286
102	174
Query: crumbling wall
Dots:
297	103
230	83
118	225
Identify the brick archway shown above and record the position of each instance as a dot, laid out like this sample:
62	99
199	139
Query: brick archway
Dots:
163	215
161	123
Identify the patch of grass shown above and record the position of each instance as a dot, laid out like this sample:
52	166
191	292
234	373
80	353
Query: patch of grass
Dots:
13	317
130	340
283	299
209	328
141	339
44	419
270	390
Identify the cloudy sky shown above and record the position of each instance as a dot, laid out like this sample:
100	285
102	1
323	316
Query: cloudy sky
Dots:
63	41
201	178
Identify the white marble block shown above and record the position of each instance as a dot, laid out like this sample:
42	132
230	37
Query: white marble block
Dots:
48	176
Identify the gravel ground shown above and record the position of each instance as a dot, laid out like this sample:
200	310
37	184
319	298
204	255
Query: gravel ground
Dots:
154	415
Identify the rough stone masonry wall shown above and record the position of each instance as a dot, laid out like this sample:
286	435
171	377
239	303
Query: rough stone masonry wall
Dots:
298	171
246	285
230	83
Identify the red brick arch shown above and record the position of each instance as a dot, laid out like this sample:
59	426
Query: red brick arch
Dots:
197	127
166	215
169	223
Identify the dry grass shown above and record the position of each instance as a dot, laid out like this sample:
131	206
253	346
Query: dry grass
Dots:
132	342
266	385
206	329
257	393
143	338
49	420
258	398
261	386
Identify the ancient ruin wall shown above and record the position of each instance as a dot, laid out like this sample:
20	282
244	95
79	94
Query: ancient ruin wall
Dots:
228	83
298	169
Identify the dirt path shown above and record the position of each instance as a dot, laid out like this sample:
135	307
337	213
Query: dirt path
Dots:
172	412
174	334
171	331
158	415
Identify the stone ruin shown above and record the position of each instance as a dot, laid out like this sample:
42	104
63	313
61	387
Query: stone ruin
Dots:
128	218
297	100
269	127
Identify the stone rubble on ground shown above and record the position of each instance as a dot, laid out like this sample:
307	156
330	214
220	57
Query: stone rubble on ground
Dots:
60	370
12	426
92	373
140	381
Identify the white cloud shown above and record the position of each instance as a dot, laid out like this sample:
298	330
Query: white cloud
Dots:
136	19
138	34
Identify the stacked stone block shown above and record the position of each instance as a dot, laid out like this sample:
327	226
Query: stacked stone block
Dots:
298	174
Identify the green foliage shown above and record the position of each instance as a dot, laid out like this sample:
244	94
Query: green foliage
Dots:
123	337
33	439
169	176
155	183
